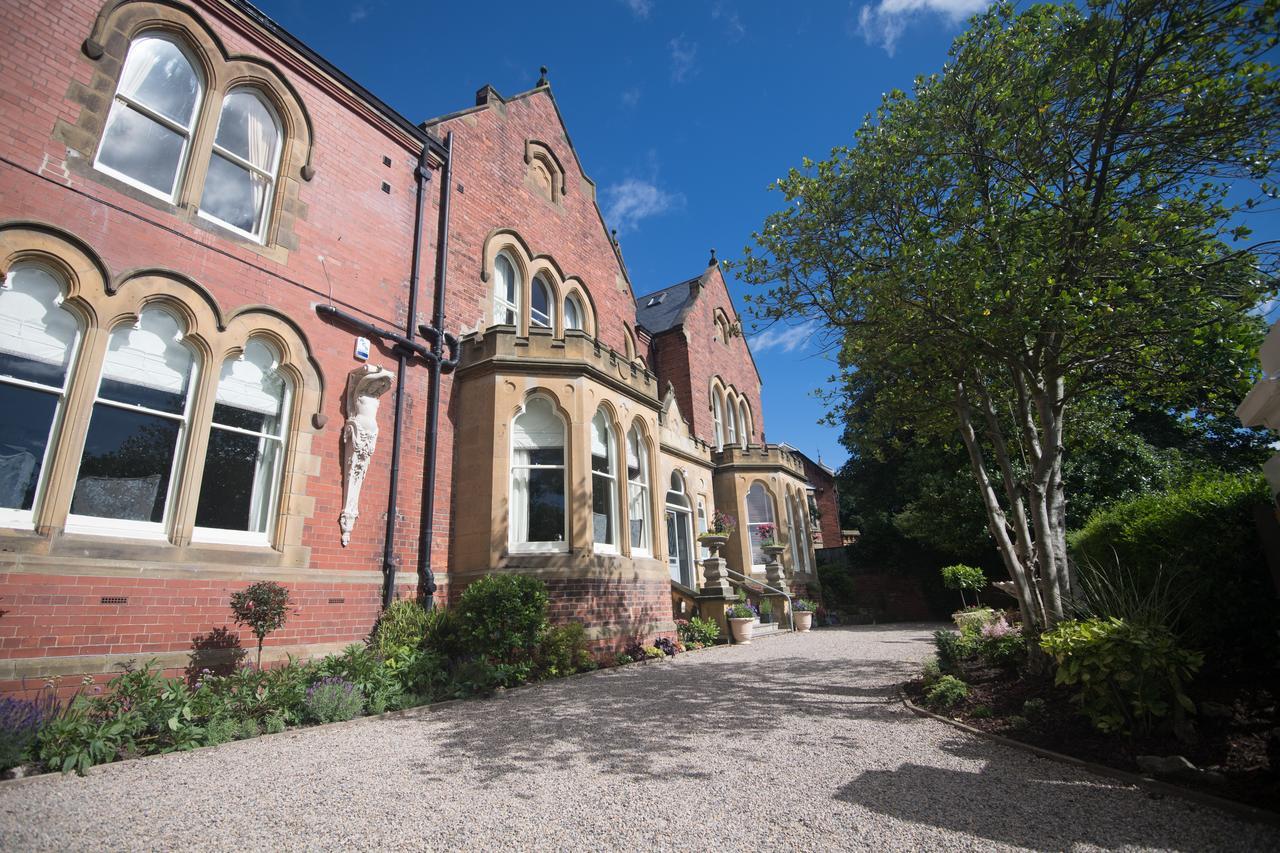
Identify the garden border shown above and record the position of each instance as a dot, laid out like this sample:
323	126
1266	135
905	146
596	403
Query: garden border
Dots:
1240	810
427	708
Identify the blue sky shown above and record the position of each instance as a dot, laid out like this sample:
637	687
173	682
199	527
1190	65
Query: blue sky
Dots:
682	112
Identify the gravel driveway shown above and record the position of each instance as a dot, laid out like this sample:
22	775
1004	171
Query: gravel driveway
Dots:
795	742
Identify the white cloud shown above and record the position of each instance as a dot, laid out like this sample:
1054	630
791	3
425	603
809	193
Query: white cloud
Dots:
633	200
783	338
630	97
684	54
639	8
358	13
884	22
733	25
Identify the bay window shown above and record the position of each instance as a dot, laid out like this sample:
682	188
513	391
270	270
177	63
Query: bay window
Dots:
572	313
241	482
538	518
759	512
506	292
137	429
604	484
542	310
38	338
638	492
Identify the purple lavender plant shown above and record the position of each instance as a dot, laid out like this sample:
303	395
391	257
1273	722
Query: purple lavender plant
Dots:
20	724
333	700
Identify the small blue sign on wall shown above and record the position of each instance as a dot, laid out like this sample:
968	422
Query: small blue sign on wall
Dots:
362	349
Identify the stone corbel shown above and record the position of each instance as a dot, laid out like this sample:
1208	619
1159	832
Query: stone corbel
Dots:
365	385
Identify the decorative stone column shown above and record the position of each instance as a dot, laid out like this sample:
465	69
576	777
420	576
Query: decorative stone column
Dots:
365	385
716	593
775	578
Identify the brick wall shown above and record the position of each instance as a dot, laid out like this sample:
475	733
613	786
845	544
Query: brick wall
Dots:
828	501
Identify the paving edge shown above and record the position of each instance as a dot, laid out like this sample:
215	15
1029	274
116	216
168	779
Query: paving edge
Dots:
1241	810
415	711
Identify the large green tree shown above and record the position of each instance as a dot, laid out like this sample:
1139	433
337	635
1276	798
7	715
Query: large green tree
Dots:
1046	227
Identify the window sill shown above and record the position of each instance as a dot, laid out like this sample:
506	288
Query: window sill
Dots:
538	548
610	550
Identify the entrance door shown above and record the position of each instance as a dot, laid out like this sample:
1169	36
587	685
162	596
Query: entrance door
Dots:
680	542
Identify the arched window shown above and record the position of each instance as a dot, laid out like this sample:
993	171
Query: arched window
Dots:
538	516
572	313
759	512
629	342
717	418
506	292
148	133
731	419
246	158
37	341
139	422
542	308
703	551
241	483
638	492
604	484
744	423
679	533
795	534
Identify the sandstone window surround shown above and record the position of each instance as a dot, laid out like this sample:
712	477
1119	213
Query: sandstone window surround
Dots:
543	171
552	301
172	118
730	415
641	529
151	415
604	483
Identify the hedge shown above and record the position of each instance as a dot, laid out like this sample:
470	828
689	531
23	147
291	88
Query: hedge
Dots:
1205	533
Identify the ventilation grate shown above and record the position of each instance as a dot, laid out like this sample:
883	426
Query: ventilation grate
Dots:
337	601
115	599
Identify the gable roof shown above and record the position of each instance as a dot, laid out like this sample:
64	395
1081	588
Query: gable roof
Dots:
665	309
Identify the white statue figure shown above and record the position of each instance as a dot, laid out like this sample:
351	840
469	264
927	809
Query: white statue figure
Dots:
365	385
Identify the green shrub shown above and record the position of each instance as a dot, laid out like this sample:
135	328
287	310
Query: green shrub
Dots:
1202	540
402	625
503	618
954	648
930	671
1034	709
1128	675
563	651
362	666
76	740
334	699
946	693
157	712
982	712
697	630
247	730
274	724
622	659
220	730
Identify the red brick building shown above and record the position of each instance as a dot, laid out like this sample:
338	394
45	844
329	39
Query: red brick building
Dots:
200	218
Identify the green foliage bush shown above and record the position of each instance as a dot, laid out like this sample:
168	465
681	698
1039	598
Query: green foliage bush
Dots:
563	651
1203	533
962	577
402	625
503	618
947	692
698	631
971	619
930	671
952	649
363	667
1128	675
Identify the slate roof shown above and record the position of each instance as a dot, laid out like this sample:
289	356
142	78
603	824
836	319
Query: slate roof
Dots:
669	306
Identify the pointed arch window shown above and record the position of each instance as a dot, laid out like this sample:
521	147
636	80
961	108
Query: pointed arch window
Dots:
744	423
148	133
717	418
731	420
638	493
240	489
604	484
137	429
38	339
506	292
759	512
542	306
573	313
240	185
538	519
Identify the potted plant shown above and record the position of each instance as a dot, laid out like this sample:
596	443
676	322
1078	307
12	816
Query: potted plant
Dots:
766	611
742	618
802	611
722	527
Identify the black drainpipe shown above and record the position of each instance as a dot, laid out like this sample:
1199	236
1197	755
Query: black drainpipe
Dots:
438	365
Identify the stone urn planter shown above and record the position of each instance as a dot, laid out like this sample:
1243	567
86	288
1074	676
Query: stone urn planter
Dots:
714	542
804	619
742	629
